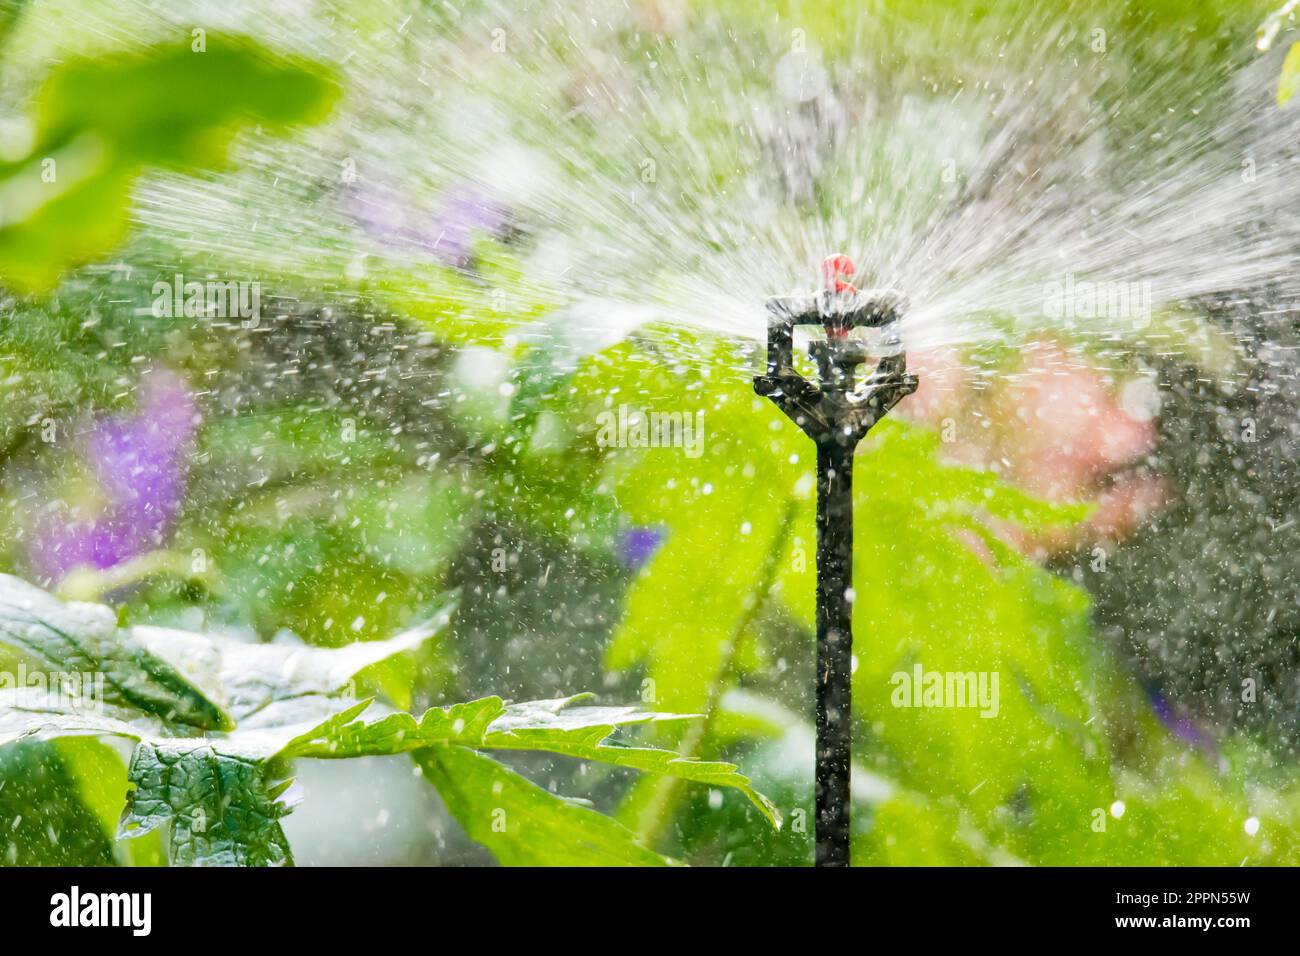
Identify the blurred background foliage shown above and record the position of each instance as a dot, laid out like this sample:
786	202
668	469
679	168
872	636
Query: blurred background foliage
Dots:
403	420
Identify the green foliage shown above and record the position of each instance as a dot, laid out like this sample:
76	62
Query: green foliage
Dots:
356	563
220	795
939	587
45	825
255	676
99	122
84	639
522	824
219	808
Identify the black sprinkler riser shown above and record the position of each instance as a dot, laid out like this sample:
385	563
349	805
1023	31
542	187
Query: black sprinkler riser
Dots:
836	414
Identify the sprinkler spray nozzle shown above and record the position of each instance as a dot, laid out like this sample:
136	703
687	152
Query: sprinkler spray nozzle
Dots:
836	412
837	269
838	399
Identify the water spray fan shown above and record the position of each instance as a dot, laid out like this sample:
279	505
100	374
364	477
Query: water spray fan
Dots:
835	413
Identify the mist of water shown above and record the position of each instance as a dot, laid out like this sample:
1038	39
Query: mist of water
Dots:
652	164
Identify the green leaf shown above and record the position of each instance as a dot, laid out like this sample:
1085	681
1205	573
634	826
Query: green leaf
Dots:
522	824
732	505
45	821
554	726
174	106
219	809
382	731
218	794
187	783
100	122
584	732
179	676
31	715
214	796
84	640
255	675
100	772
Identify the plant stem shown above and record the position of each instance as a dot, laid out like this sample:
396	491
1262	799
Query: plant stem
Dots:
661	807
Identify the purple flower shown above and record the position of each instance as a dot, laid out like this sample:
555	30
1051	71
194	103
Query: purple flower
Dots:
1181	727
638	545
446	233
137	461
465	213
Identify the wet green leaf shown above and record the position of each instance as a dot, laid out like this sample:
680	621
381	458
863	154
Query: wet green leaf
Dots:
522	824
220	795
255	675
561	726
84	640
46	821
219	809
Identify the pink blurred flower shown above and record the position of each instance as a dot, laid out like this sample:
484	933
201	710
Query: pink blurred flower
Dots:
1069	429
1055	426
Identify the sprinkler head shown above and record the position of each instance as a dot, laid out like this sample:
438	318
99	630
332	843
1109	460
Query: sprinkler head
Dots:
839	408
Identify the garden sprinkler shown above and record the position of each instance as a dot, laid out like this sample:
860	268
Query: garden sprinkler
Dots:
835	413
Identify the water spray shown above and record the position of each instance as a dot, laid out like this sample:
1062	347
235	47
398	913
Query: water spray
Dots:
835	413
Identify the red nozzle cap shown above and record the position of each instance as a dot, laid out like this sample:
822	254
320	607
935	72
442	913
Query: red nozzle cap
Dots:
836	270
